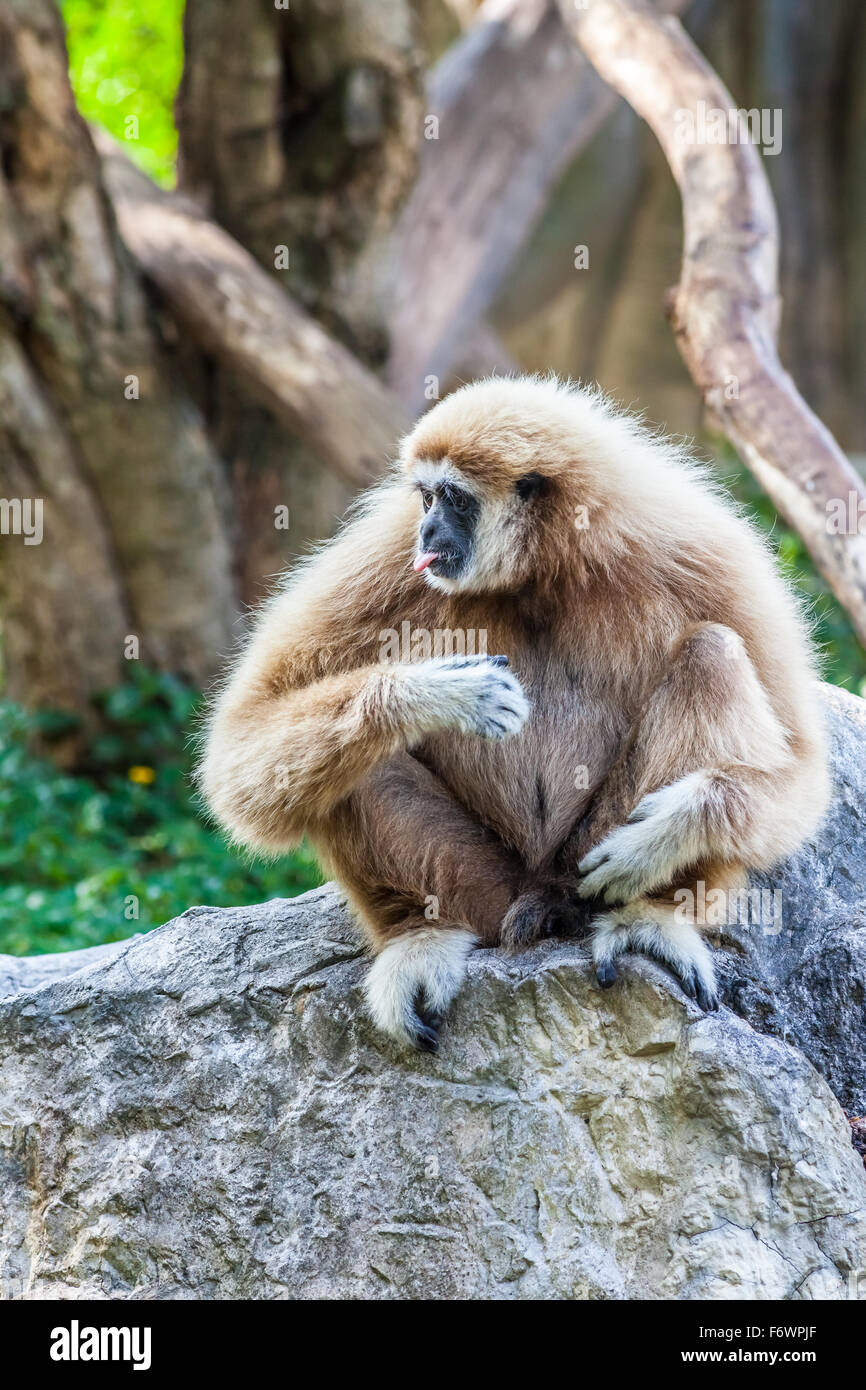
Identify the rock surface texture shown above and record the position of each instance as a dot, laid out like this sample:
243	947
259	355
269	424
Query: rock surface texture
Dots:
205	1112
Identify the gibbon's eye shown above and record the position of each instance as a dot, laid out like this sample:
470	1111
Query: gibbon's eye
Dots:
460	501
530	485
427	498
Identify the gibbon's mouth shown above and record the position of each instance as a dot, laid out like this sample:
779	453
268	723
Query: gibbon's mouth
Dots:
445	563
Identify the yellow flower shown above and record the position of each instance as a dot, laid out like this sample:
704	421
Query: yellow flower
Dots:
144	775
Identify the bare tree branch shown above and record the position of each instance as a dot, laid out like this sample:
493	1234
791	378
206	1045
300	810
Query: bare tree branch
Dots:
515	103
725	310
239	314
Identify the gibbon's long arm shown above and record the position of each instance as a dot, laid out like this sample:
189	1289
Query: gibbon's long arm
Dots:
701	754
277	760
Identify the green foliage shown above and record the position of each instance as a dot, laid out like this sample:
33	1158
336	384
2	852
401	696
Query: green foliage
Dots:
125	59
75	850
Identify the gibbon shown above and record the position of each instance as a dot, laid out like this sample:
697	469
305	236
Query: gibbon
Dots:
647	721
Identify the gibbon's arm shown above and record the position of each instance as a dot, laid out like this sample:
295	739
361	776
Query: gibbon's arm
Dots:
284	748
699	778
278	760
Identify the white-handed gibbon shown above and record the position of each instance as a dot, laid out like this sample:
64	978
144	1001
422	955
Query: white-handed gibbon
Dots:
648	721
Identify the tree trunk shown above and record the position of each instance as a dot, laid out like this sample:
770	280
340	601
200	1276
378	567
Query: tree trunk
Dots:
801	58
299	130
94	423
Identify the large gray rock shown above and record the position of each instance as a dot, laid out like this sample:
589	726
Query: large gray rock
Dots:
29	972
205	1111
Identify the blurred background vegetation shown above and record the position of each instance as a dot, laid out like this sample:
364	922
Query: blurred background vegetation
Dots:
114	842
125	60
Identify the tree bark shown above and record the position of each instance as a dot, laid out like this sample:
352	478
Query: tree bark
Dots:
725	309
487	170
135	539
235	312
299	129
619	198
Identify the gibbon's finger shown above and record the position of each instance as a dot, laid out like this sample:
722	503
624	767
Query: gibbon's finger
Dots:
508	707
595	857
606	974
477	660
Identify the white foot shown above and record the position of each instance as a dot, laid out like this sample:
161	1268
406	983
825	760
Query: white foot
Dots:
413	980
650	930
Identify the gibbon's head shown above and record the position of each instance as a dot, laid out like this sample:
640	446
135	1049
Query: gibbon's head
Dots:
497	466
480	462
529	480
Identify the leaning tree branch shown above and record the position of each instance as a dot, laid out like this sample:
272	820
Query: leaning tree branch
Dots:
725	310
236	312
516	103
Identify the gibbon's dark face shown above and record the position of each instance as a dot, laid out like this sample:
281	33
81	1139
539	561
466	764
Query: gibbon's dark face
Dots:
446	537
469	539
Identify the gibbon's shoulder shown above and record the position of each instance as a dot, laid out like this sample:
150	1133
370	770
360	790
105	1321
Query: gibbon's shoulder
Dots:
326	611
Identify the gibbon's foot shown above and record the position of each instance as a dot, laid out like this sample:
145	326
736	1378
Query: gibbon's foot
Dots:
538	913
645	852
474	694
429	1023
413	980
649	930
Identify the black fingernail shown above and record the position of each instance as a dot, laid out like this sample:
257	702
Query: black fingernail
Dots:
427	1039
606	975
499	661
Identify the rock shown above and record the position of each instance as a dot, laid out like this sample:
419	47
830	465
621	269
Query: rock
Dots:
802	974
29	972
208	1114
205	1112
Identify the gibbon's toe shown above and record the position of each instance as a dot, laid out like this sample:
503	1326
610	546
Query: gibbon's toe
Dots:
429	1015
696	987
425	1038
706	997
606	974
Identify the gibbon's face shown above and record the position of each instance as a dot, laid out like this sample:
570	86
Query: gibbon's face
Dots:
469	539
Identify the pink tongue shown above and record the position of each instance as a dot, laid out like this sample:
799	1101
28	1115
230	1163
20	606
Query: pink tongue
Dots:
425	559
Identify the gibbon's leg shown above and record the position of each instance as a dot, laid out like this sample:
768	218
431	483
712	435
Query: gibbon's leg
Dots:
697	793
428	882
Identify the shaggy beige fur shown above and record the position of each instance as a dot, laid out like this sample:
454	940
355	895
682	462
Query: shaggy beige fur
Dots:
657	723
